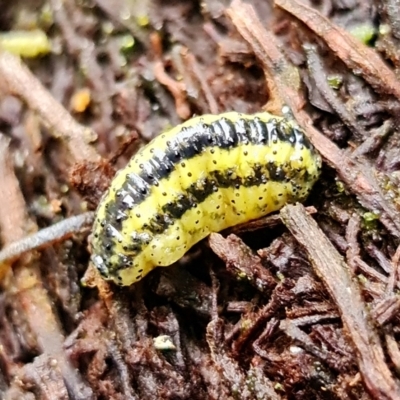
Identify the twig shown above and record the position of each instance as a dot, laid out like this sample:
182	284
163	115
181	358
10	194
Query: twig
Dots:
69	19
294	332
177	89
12	208
278	71
241	261
195	76
351	51
30	294
316	69
394	273
45	237
334	273
20	81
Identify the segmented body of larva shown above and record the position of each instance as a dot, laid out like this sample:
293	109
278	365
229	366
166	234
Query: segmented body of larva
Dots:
205	175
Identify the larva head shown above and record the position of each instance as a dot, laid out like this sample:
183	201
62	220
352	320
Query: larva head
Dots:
111	255
121	276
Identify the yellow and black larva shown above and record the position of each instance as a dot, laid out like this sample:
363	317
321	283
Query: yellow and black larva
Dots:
205	175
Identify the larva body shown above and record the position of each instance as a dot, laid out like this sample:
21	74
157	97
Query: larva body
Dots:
205	175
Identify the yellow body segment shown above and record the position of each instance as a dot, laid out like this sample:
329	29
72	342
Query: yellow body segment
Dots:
261	163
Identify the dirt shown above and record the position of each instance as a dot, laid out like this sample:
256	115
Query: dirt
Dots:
298	305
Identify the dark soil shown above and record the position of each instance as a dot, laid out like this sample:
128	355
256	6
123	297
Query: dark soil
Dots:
299	305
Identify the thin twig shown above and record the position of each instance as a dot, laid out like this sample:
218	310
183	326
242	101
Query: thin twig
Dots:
351	51
334	273
46	237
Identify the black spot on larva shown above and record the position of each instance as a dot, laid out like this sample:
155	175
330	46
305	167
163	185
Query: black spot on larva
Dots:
276	173
159	223
119	219
135	187
200	190
175	209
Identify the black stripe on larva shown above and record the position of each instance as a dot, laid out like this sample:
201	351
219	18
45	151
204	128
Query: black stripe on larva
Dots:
224	133
191	141
300	139
137	187
260	132
277	173
157	168
175	209
196	194
188	143
281	133
199	191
